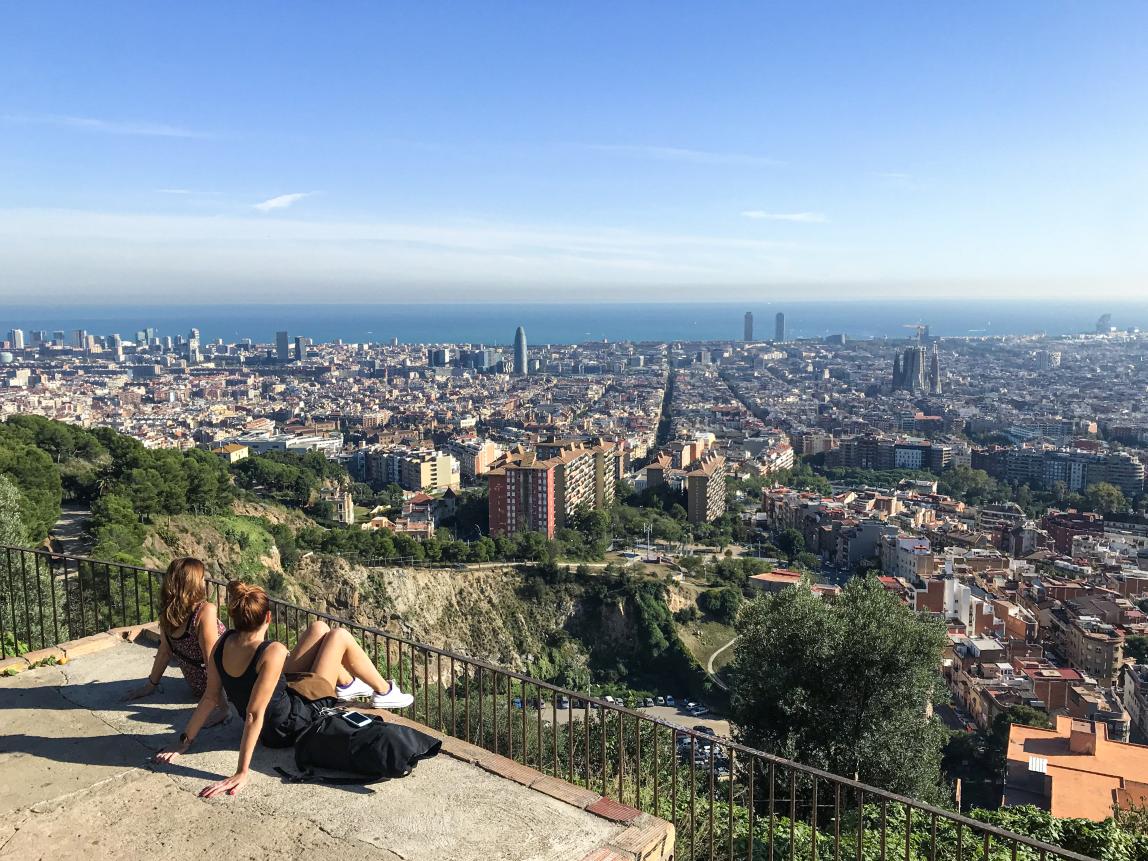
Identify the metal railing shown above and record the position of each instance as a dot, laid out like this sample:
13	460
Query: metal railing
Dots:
726	800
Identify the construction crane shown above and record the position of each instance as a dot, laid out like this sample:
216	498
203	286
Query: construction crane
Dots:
920	328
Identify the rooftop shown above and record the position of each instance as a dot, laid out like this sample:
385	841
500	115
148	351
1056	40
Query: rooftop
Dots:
77	779
1074	770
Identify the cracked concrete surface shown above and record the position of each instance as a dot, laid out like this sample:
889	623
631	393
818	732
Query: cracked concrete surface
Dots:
75	782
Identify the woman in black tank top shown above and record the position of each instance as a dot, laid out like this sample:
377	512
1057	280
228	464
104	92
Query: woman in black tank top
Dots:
324	664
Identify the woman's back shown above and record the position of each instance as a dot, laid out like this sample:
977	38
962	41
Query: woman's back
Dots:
184	642
238	666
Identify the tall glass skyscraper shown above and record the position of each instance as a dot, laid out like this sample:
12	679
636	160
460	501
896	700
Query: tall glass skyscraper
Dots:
521	368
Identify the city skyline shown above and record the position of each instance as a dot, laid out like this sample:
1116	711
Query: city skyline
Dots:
895	152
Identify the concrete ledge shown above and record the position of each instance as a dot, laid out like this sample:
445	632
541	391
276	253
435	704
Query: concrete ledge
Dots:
41	655
146	633
9	664
87	645
81	766
648	839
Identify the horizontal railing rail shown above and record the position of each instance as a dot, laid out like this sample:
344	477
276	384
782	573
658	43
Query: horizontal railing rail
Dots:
726	800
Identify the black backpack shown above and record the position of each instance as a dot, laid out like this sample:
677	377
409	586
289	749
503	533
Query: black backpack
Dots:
372	752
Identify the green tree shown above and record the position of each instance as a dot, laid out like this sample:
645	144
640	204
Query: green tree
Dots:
842	685
12	529
721	603
790	542
1136	647
36	476
1105	497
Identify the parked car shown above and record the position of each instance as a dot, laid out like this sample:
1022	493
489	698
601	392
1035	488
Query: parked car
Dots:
698	710
660	701
670	702
608	699
689	706
704	729
563	703
517	702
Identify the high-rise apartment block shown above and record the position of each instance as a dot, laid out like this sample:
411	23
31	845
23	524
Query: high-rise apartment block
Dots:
540	490
695	467
1076	468
748	326
16	339
412	469
779	327
705	489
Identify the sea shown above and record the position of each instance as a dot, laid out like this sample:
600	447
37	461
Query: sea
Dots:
494	323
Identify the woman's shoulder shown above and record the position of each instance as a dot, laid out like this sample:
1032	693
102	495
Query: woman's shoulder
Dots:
275	652
206	614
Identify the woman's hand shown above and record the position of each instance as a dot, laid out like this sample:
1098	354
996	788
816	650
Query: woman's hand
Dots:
144	690
168	754
231	786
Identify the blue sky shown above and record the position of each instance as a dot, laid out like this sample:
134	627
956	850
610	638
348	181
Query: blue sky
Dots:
542	151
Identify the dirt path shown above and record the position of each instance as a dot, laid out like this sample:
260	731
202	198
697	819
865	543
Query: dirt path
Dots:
70	532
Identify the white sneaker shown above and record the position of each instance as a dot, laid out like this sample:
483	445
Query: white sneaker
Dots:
356	689
392	699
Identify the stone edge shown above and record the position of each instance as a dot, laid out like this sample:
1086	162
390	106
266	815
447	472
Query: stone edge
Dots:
643	837
72	649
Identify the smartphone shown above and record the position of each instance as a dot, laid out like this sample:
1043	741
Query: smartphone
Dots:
356	719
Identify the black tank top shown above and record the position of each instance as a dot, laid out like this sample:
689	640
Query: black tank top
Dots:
239	687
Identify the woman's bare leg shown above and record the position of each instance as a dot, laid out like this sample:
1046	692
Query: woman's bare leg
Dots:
340	654
302	658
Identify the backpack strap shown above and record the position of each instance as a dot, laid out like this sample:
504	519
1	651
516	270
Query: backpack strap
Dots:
309	776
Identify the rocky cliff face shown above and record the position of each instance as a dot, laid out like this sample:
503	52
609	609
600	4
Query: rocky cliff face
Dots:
230	546
475	611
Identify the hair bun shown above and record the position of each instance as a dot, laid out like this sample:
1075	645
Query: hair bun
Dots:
247	604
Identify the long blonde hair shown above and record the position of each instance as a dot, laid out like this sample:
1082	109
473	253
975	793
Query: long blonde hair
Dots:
184	586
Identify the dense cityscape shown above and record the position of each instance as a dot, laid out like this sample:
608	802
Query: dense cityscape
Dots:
996	483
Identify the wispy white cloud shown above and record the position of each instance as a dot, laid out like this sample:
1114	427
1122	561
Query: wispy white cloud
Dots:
281	202
680	154
799	217
103	126
283	257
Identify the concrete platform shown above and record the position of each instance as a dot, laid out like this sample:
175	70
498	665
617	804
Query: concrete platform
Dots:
75	782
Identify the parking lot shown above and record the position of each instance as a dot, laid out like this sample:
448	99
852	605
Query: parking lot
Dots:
672	715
